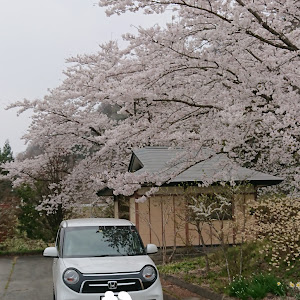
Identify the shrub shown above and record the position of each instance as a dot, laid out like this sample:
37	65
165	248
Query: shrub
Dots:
239	288
278	225
256	287
21	244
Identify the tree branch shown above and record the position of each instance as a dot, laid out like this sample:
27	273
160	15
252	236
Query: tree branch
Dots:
188	103
289	45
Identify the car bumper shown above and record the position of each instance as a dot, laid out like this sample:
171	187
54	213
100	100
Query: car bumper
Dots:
154	292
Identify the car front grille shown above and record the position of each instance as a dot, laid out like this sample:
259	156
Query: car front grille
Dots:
115	285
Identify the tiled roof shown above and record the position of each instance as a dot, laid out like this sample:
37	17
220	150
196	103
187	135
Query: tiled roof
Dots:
164	161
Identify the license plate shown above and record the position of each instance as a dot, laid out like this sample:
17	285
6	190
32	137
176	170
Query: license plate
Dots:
102	297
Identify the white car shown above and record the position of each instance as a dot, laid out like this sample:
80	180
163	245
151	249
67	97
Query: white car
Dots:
93	256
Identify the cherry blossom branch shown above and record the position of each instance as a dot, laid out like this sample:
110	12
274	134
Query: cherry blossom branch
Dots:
290	46
184	3
189	103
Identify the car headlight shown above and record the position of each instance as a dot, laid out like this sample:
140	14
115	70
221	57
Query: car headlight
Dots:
149	273
71	276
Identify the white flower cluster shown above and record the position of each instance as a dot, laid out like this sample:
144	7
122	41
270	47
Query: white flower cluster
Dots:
278	223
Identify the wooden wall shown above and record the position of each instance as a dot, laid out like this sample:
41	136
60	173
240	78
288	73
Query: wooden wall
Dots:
163	219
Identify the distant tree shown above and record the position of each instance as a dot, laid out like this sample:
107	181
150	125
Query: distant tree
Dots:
31	151
36	224
6	155
112	111
8	199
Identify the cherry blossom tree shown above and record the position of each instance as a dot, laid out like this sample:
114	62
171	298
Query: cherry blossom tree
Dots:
234	65
222	75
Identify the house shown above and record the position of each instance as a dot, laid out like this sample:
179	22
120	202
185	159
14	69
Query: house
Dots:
165	218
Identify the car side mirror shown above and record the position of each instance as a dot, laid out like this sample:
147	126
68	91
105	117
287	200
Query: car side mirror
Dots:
50	252
151	249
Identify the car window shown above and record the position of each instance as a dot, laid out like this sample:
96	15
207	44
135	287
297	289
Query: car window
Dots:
92	241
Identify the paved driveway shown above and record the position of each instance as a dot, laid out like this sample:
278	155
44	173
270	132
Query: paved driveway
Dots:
25	277
30	278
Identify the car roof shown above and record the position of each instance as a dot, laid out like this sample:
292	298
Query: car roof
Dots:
95	222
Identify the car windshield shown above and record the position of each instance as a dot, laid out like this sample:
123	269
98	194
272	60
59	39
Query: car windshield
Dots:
101	241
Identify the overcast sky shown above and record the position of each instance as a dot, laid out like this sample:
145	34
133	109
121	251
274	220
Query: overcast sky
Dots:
36	36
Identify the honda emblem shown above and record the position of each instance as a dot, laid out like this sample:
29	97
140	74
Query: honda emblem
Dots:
112	285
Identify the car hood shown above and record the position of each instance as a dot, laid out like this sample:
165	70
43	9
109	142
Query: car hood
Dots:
114	264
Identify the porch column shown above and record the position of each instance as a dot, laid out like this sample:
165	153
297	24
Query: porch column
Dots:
116	208
134	212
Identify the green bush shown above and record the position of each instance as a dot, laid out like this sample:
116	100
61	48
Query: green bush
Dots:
239	288
253	259
21	244
256	287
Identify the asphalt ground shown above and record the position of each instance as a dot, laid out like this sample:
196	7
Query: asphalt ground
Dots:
25	277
